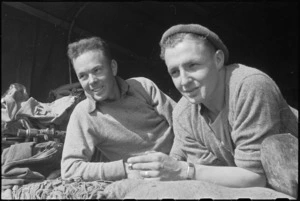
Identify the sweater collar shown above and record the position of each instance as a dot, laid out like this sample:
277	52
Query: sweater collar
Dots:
203	110
123	86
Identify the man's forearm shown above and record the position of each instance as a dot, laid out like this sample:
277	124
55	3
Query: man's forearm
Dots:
229	176
90	171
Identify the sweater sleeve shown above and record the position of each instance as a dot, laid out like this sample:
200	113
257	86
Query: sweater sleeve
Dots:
186	146
177	151
79	146
256	116
162	103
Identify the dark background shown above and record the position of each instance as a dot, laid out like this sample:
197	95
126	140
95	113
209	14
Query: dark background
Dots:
35	35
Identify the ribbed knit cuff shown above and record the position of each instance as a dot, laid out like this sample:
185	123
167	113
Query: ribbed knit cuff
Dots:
113	171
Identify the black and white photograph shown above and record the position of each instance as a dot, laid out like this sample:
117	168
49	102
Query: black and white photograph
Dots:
149	100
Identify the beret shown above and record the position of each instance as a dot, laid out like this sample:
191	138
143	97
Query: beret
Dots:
200	30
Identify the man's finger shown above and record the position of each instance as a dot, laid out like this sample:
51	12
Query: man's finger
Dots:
153	179
147	166
150	152
143	158
149	174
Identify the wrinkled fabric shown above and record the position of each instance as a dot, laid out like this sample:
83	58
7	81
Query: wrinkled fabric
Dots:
29	162
14	107
12	127
279	157
73	89
9	131
12	100
6	194
45	114
186	189
9	109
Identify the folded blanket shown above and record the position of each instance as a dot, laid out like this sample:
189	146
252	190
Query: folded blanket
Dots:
29	162
142	189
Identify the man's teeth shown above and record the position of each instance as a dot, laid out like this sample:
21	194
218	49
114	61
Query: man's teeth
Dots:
97	89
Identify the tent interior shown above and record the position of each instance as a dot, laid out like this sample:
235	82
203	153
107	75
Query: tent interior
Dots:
35	36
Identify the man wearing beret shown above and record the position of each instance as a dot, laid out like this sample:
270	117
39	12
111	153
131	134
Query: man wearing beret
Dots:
232	123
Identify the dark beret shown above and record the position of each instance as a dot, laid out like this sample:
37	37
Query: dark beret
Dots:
200	30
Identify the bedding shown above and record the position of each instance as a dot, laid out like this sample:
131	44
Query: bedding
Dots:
136	189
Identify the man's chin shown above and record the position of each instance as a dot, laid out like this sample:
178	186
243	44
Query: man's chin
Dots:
99	98
193	100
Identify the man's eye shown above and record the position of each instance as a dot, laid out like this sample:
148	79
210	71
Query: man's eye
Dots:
174	73
82	77
192	65
97	70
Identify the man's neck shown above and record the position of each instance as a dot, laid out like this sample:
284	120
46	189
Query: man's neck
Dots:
117	93
217	101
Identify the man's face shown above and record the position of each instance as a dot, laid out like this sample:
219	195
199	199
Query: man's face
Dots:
96	75
194	70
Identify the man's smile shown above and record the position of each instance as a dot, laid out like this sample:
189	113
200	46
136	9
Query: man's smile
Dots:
97	89
190	92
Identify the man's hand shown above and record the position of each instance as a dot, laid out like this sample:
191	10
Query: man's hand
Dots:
132	174
158	166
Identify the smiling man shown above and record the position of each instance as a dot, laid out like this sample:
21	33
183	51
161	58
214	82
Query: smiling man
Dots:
223	118
119	118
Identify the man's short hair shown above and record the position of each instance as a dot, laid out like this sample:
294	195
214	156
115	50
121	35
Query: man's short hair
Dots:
75	49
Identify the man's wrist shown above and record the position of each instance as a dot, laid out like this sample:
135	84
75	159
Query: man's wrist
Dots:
190	171
125	165
187	170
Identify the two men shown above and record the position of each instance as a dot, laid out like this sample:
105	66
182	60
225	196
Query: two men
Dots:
220	123
118	119
223	117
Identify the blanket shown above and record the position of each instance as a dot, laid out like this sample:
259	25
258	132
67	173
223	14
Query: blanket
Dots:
136	189
186	189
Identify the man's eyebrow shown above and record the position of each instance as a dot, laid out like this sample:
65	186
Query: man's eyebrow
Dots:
188	64
98	66
81	73
172	67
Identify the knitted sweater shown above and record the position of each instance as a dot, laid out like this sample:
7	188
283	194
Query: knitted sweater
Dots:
254	109
139	121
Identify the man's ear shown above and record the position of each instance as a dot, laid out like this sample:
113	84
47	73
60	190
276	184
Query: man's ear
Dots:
219	58
114	67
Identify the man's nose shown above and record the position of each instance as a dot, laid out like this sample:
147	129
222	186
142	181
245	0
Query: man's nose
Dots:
185	78
92	78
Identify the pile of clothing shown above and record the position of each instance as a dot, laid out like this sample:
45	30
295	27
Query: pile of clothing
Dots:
29	162
18	110
28	158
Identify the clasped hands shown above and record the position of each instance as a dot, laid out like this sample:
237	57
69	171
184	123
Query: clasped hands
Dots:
155	166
